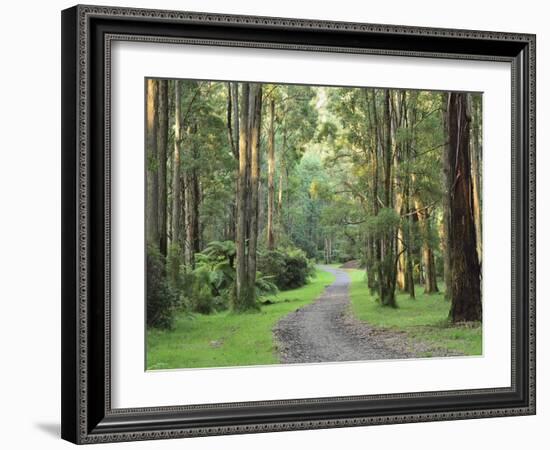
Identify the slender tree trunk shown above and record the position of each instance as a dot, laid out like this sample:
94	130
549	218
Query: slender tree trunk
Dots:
188	209
401	261
235	105
196	200
230	130
399	202
430	279
369	263
465	281
400	238
271	177
409	276
191	205
162	140
376	244
255	127
233	130
477	208
176	171
280	201
446	260
262	209
387	272
192	196
152	222
410	120
444	228
241	282
476	176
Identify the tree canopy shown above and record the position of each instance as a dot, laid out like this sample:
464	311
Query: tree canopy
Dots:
237	171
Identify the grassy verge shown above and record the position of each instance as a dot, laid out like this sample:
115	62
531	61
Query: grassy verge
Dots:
227	339
424	319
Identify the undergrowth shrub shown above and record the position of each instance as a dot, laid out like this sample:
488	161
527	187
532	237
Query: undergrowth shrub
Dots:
162	298
288	268
210	287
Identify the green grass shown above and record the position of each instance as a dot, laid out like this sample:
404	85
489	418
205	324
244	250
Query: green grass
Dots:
424	319
228	339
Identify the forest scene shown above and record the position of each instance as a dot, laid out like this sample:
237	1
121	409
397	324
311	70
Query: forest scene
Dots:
304	224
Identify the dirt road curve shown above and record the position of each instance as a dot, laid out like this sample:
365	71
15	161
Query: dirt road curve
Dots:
324	331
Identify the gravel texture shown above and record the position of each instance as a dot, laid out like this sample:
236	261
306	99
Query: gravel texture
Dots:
325	331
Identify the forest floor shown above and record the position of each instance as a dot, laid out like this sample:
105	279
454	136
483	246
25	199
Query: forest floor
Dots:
226	339
346	324
332	318
424	320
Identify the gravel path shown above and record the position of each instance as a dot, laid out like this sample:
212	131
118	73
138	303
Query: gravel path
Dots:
325	331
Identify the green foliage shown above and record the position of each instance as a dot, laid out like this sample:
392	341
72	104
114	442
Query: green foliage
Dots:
424	320
199	295
265	285
227	339
162	298
174	269
216	250
210	287
288	268
308	189
386	221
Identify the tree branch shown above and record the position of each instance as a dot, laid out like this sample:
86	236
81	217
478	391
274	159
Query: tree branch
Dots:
416	211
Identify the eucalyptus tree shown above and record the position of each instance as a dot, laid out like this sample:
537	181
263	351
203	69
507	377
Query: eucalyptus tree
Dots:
465	266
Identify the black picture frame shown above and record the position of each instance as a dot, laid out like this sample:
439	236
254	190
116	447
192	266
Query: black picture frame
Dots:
87	416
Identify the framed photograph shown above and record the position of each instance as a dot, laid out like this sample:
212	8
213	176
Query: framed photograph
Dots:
280	224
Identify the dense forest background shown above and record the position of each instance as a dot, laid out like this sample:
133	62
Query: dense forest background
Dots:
249	184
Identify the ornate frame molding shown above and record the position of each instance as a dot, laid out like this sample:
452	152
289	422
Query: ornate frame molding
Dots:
84	421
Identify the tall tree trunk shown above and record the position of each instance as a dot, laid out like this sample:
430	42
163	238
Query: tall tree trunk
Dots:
188	209
401	260
242	289
410	121
369	263
377	244
399	205
270	177
197	196
176	171
233	143
280	201
430	278
476	175
152	179
444	227
477	207
443	231
255	128
233	132
192	196
162	140
235	105
465	281
409	277
387	272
